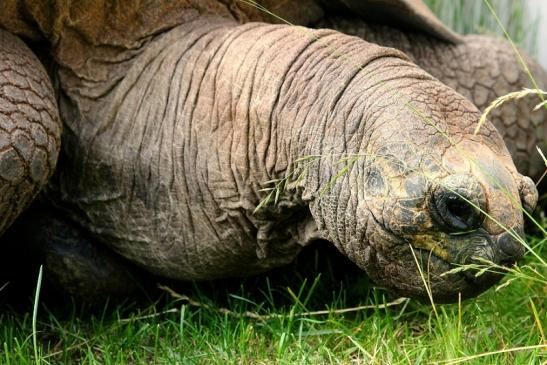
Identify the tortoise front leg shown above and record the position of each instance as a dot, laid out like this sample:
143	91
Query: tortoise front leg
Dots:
30	128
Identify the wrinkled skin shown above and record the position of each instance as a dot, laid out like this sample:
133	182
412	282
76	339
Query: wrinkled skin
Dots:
481	68
171	134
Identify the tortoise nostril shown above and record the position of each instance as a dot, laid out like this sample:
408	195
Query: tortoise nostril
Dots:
510	247
470	276
508	263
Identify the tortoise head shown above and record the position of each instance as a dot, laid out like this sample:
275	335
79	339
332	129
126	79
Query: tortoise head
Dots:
470	212
436	195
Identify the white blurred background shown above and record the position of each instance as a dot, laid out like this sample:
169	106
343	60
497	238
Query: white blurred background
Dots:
524	20
538	9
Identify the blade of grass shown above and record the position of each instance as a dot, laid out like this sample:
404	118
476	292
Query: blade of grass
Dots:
515	48
427	288
37	358
490	353
538	322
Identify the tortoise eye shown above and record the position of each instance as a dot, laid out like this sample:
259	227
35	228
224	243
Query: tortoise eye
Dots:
458	213
455	212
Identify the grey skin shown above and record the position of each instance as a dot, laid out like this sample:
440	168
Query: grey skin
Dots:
173	124
481	68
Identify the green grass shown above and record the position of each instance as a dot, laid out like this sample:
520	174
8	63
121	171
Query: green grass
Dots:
173	331
264	320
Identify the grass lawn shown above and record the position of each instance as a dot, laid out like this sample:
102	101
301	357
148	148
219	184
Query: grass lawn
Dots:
273	318
263	320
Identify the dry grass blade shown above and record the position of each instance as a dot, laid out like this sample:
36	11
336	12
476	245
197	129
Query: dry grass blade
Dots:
543	104
516	95
545	162
37	354
459	360
427	288
149	316
361	348
264	317
515	49
542	155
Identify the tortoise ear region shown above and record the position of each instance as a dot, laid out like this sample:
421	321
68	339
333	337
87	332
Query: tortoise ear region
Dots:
528	194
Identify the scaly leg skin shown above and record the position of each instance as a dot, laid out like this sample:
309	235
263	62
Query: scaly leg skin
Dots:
481	68
74	264
30	128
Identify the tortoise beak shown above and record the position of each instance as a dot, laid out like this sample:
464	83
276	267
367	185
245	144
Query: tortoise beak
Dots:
510	250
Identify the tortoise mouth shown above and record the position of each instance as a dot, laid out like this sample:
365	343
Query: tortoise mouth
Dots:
429	259
441	267
436	254
458	249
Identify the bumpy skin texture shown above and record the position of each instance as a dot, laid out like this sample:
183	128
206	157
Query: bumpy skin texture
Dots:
481	68
29	128
166	166
171	134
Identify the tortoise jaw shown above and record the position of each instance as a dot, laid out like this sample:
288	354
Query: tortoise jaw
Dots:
459	249
465	283
472	251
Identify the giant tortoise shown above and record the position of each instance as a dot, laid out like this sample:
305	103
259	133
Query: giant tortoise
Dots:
201	141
